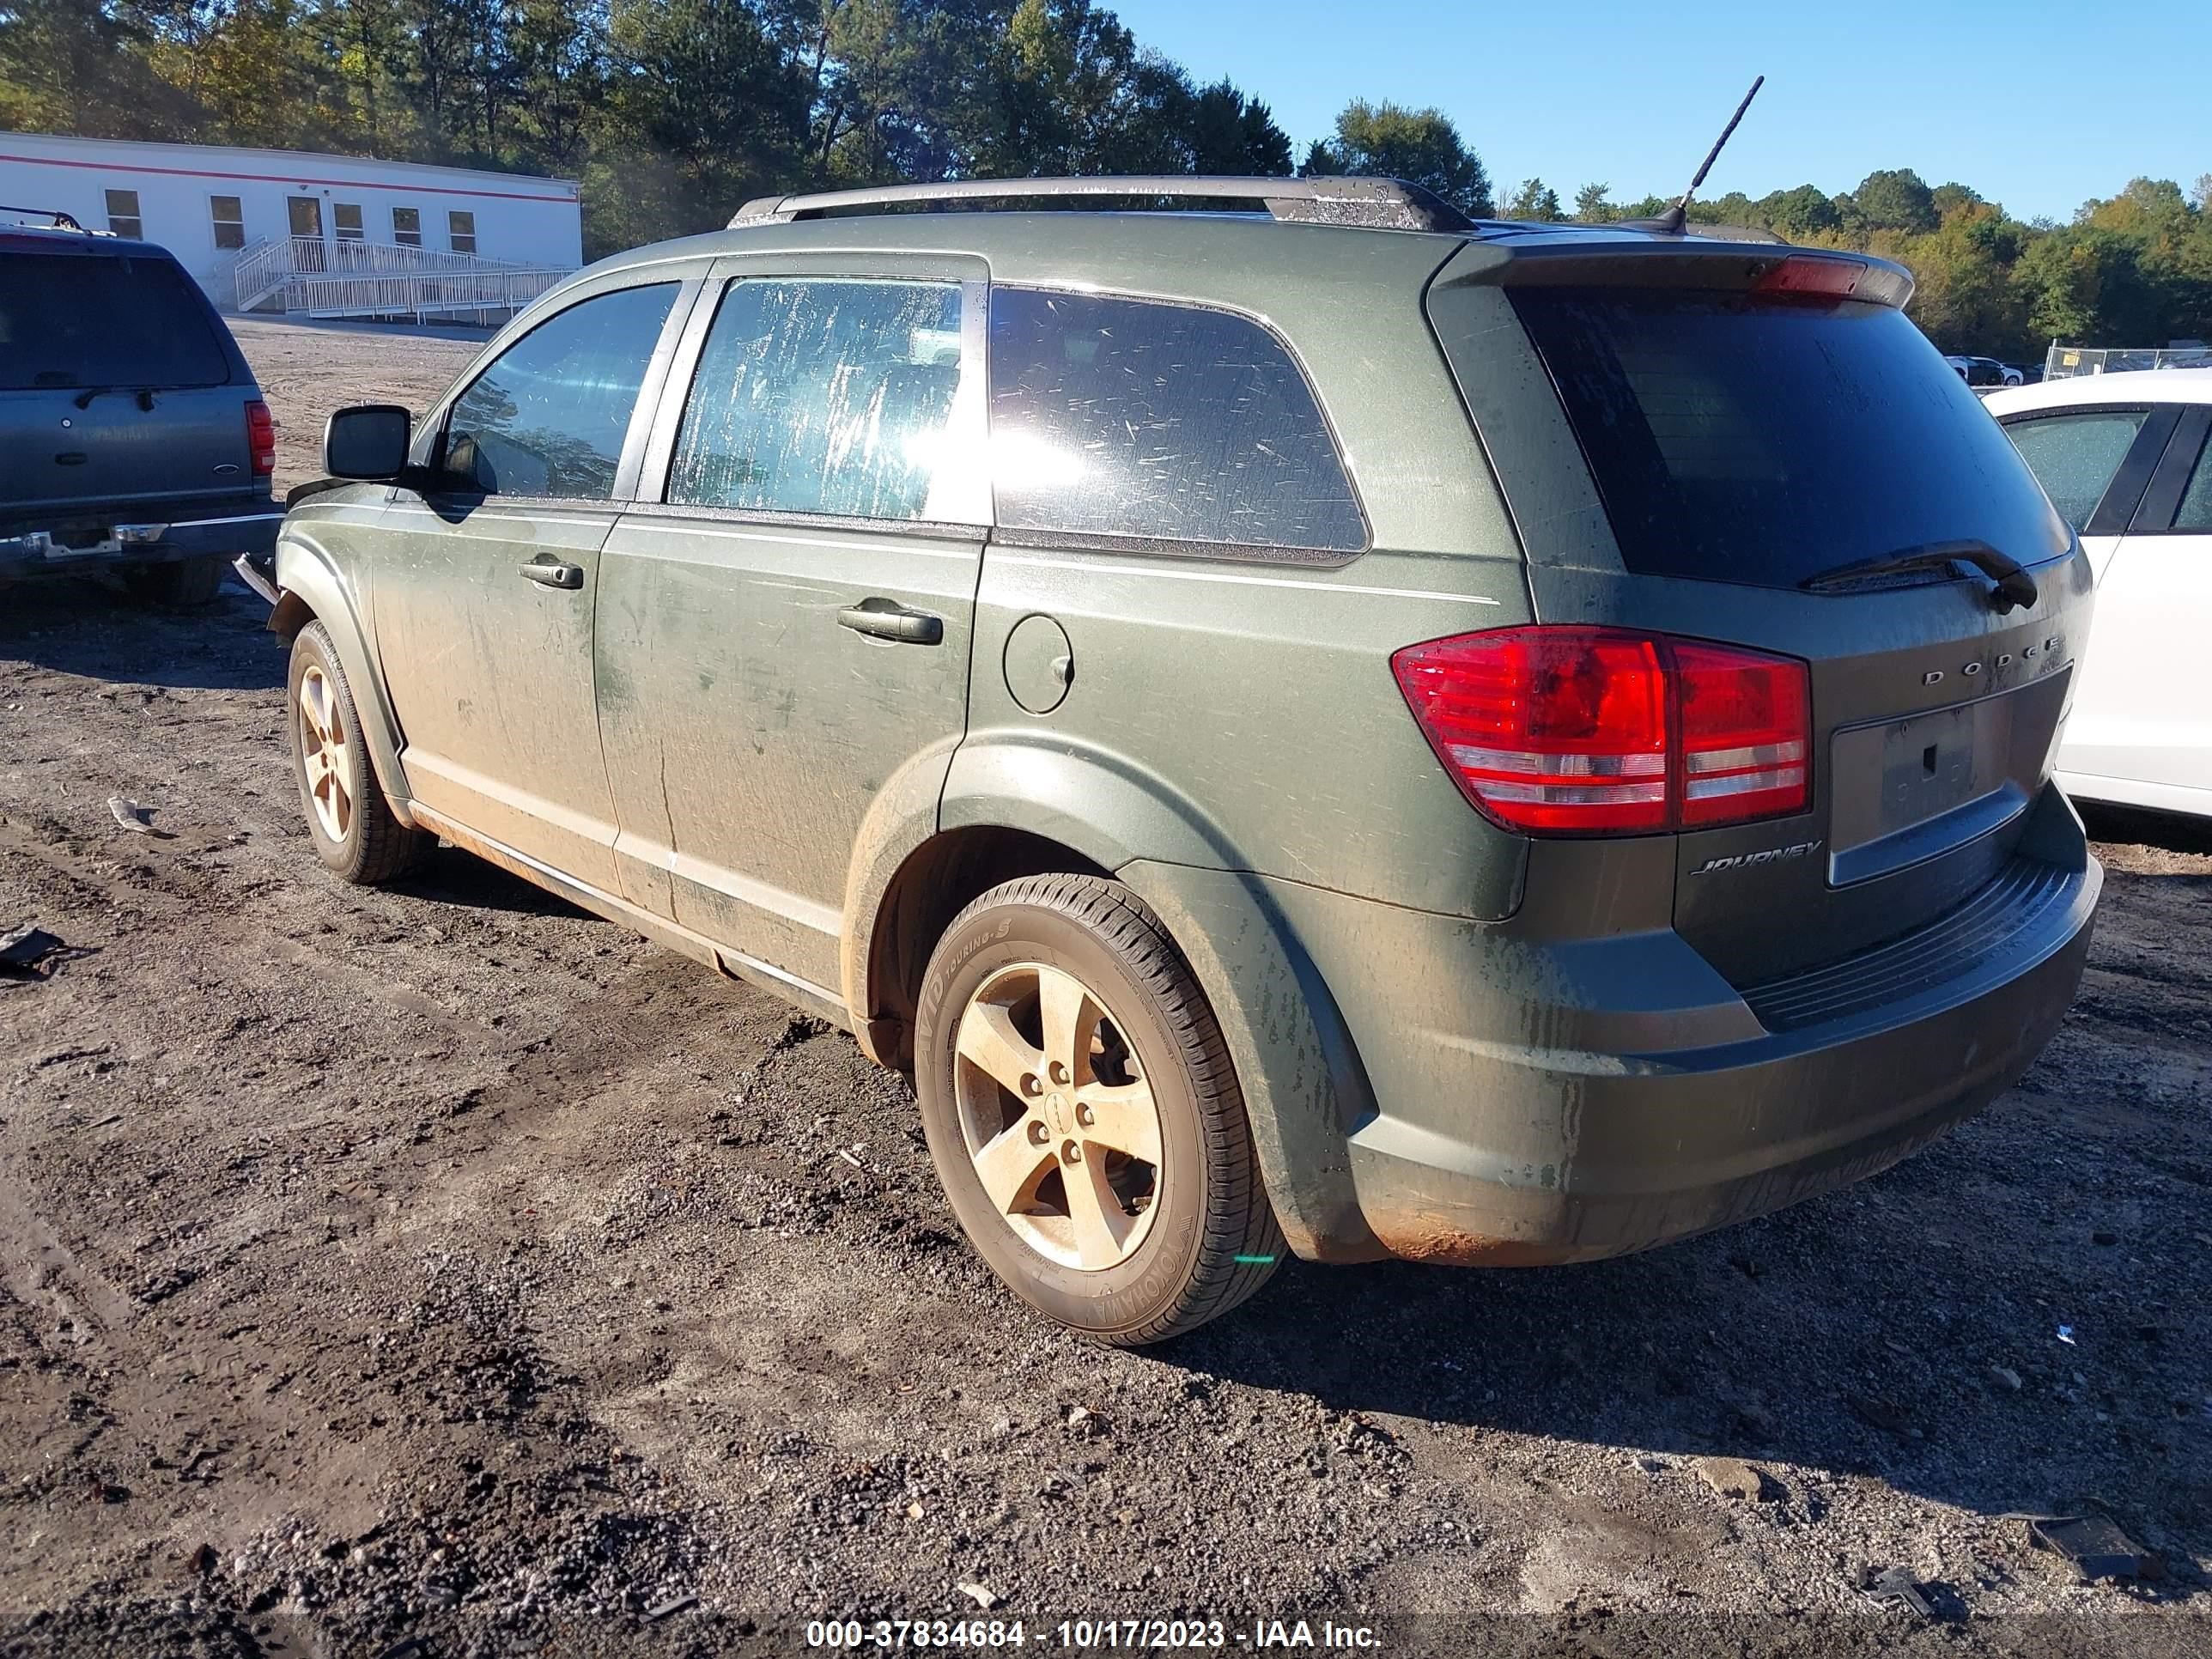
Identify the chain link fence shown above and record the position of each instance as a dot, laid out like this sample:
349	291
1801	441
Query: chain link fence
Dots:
2064	363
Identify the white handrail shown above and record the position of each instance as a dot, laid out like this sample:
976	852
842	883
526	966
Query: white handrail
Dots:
306	273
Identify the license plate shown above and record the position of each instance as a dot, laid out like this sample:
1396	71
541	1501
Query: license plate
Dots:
1906	789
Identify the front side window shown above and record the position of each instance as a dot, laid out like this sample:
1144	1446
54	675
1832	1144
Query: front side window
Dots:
228	215
1129	417
407	227
345	219
829	397
2074	456
123	213
461	232
549	416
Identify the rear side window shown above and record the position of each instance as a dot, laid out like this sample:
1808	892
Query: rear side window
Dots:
2074	456
1130	417
822	396
96	320
549	416
2196	510
1766	440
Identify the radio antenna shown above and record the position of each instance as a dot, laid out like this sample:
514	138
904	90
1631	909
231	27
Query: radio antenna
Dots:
1672	221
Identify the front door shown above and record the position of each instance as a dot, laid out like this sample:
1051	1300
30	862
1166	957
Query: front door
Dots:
783	637
306	213
485	583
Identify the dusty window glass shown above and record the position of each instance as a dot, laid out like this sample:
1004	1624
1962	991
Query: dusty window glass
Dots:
2196	510
1134	418
345	217
461	232
826	397
228	218
407	227
549	416
2074	457
123	217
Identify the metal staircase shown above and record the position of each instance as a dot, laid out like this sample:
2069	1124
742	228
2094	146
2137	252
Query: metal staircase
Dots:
307	275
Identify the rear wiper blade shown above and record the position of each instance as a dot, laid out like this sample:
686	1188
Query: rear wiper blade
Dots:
2014	586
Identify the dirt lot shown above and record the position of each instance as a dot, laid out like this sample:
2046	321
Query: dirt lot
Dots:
440	1263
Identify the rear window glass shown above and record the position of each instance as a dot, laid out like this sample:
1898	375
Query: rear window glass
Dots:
1766	441
1129	417
93	320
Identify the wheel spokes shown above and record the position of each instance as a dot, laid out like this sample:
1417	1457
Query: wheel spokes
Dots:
988	1042
1100	1225
1121	1118
1012	1163
1069	1017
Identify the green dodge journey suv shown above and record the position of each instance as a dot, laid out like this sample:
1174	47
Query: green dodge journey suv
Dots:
1316	726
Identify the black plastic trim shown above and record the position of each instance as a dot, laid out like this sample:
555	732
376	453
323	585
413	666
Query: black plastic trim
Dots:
2161	500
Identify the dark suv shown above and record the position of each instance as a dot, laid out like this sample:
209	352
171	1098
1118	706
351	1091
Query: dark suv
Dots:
132	436
1330	726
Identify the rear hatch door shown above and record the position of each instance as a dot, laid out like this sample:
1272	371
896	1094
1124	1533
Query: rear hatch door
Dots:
1757	446
116	386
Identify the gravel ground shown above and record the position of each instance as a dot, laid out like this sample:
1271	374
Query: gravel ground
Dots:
441	1264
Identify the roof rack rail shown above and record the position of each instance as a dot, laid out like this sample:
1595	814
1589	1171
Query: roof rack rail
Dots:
1376	203
61	221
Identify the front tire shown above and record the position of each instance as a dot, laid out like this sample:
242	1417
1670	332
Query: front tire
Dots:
351	825
1084	1115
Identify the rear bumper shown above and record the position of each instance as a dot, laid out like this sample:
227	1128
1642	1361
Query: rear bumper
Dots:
223	531
1552	1102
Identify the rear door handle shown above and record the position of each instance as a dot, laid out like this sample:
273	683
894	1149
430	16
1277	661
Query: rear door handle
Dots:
555	575
887	619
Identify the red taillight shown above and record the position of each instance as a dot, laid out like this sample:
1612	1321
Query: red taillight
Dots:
1599	731
261	439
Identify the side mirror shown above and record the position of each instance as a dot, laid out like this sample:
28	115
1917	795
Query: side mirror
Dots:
368	441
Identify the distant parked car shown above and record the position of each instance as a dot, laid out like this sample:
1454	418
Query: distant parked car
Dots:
1983	371
2124	457
132	436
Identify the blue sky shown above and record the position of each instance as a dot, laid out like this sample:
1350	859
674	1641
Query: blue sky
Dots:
2037	105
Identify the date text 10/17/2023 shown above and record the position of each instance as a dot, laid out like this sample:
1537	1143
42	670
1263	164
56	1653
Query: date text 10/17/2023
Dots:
1091	1635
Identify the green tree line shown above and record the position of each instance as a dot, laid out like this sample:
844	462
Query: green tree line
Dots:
672	112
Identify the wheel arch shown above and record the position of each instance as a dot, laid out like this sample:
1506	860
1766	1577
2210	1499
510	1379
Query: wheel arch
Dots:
310	589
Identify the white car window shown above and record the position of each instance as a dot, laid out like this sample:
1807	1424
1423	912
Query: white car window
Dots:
2074	456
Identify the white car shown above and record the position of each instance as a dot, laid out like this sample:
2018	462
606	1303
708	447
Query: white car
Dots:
2124	457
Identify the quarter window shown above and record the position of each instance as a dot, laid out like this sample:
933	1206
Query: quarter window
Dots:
548	417
830	397
123	213
345	219
407	227
1130	417
228	215
461	232
2074	457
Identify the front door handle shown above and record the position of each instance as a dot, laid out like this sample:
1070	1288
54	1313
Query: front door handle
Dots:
887	619
555	575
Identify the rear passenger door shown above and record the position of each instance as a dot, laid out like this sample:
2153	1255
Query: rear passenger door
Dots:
785	612
2151	727
2118	474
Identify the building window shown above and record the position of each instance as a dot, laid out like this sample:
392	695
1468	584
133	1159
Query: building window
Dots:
407	227
346	217
123	213
461	230
228	214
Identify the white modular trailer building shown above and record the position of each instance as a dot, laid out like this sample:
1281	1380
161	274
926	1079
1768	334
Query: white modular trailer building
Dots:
290	230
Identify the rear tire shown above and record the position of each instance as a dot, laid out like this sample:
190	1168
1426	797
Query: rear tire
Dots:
182	585
1114	1187
351	825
